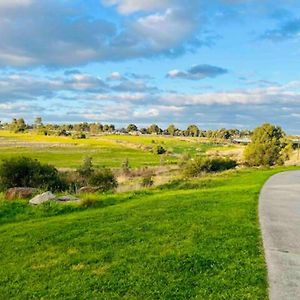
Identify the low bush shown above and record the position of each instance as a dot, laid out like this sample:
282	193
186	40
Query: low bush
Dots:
88	202
147	181
158	149
200	165
79	136
103	179
27	172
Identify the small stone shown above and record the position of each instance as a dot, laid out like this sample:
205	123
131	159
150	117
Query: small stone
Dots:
68	198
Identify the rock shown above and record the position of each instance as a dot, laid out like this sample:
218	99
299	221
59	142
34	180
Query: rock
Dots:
19	193
87	190
39	199
68	198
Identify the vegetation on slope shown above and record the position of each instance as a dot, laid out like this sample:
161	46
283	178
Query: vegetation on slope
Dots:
195	239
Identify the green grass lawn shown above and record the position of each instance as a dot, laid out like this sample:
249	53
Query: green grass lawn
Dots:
65	152
72	156
186	240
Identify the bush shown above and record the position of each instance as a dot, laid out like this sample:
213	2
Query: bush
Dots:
147	181
79	136
103	179
201	165
27	172
85	203
86	169
158	149
126	167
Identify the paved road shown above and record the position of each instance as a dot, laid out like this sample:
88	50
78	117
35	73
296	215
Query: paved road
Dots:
279	211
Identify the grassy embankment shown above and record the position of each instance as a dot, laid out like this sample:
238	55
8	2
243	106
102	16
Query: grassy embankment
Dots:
197	239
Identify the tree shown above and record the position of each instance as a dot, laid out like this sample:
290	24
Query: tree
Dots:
171	129
193	130
268	146
132	127
18	125
38	122
95	128
154	129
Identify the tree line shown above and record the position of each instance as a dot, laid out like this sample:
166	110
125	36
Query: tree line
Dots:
80	130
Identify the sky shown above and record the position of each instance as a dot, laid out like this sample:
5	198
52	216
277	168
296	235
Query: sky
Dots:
214	63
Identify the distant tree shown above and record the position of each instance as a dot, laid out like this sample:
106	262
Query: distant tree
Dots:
132	127
154	129
38	122
268	147
95	128
143	131
111	128
18	125
171	129
193	130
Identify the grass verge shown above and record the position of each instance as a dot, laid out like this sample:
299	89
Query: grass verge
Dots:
187	240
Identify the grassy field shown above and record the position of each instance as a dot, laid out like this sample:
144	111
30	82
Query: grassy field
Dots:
109	150
177	145
186	240
65	152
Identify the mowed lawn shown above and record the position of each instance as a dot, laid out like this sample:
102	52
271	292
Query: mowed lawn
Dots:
187	240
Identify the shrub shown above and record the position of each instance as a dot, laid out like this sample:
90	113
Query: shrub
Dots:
86	169
104	179
79	136
158	149
27	172
126	166
201	165
88	202
147	181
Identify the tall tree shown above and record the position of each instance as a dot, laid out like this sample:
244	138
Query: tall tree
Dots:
132	127
171	129
193	130
154	129
38	122
268	147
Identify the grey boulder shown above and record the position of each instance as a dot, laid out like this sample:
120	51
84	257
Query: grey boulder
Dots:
42	198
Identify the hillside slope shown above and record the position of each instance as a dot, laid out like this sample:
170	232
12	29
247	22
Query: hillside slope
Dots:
197	239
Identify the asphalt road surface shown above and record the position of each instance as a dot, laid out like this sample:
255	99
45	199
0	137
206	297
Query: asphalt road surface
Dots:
279	213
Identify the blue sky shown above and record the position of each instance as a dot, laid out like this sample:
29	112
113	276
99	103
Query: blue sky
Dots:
217	63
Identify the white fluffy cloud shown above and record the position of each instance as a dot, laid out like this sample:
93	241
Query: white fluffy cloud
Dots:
244	97
132	6
59	34
14	3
